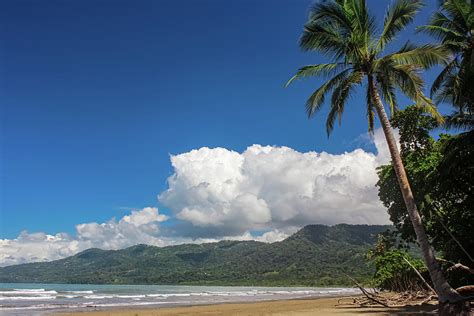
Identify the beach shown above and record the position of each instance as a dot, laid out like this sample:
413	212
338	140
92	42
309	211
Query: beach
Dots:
150	300
295	307
40	299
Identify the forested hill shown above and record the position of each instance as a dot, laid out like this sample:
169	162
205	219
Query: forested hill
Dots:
315	255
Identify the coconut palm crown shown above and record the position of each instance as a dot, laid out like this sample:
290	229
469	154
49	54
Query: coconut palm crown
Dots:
453	25
344	31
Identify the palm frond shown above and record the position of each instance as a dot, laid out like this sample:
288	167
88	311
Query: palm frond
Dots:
325	39
459	121
396	19
453	25
458	10
315	70
440	32
440	79
427	106
360	40
339	97
344	31
440	19
411	84
316	100
331	13
424	56
407	79
387	90
445	93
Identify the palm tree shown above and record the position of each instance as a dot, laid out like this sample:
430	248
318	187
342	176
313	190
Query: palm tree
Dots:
453	26
345	31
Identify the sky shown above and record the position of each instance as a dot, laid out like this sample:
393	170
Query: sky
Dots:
162	122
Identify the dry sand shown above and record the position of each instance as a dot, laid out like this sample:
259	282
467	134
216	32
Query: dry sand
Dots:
298	307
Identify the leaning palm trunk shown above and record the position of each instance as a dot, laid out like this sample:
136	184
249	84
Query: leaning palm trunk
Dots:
345	31
445	292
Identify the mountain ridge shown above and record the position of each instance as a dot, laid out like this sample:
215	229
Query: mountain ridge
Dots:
314	255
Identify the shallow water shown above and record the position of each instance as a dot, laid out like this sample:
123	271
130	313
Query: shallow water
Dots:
38	299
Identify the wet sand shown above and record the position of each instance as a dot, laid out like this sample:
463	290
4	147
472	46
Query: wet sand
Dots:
297	307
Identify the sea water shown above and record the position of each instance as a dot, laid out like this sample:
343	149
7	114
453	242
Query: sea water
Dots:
39	299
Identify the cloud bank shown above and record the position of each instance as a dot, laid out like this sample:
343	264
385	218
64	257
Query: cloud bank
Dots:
218	193
141	226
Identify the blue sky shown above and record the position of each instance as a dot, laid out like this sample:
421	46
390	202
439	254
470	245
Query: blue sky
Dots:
97	94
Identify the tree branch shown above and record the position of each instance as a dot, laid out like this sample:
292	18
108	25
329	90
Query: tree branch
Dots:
420	276
366	293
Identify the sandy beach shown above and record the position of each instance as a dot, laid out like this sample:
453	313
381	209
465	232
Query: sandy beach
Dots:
297	307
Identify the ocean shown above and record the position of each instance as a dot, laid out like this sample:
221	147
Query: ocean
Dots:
40	299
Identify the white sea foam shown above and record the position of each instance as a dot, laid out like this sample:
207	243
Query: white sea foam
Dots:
45	306
139	303
30	290
99	297
27	292
68	296
131	296
78	292
26	298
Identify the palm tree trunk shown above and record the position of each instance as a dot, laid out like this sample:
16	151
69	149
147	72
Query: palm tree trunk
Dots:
445	292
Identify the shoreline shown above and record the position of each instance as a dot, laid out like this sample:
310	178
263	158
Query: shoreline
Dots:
334	305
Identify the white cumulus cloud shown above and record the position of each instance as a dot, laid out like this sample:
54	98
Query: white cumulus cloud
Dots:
222	192
378	138
264	193
141	226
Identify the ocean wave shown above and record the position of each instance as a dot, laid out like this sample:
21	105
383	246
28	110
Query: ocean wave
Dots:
131	296
26	298
78	292
46	306
99	297
140	303
103	297
28	292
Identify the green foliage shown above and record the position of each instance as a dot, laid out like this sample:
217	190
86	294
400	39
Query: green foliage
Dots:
450	201
393	273
313	256
420	154
442	176
346	32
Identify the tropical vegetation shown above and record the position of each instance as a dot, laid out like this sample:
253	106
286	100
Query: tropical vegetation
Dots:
315	255
345	32
442	174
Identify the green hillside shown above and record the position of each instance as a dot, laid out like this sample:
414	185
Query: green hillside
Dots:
315	255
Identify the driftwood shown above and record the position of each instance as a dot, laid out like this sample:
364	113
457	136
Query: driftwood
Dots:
370	296
390	299
420	276
466	291
394	300
459	266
